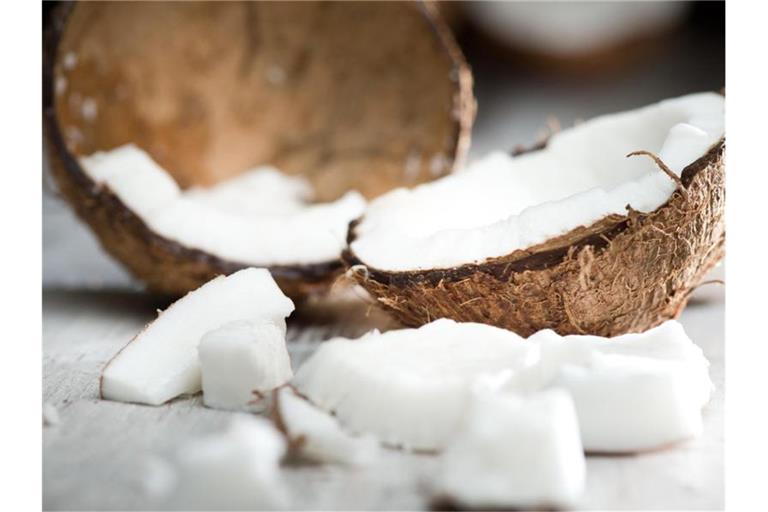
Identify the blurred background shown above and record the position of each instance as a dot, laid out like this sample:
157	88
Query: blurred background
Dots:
535	64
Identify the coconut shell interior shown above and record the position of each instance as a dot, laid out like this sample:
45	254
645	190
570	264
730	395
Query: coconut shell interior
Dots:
362	96
359	95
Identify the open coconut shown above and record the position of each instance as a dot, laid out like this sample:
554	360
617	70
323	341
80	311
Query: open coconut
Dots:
351	96
573	237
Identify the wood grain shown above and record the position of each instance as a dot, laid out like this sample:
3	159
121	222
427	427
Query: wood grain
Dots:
95	458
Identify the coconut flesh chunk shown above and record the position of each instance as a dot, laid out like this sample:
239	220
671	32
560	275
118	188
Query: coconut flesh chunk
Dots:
634	393
162	362
511	203
317	436
513	451
408	387
411	387
241	363
259	218
237	469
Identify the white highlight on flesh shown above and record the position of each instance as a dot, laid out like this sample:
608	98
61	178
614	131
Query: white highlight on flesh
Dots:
501	203
237	469
162	362
260	218
320	437
241	362
515	451
411	387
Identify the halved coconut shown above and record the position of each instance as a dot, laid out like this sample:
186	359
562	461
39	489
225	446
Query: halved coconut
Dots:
352	96
573	237
162	361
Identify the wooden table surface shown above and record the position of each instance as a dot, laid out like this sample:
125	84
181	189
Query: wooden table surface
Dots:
98	454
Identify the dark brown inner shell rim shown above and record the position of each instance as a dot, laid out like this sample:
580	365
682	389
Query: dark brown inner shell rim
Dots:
315	272
504	266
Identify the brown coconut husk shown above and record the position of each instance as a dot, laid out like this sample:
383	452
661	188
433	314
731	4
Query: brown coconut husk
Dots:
625	273
365	96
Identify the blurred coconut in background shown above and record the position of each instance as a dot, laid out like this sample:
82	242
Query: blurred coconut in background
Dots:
575	35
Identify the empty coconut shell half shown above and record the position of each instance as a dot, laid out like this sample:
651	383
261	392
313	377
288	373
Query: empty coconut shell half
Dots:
574	236
349	96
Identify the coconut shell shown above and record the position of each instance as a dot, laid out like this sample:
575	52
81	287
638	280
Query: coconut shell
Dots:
364	96
625	273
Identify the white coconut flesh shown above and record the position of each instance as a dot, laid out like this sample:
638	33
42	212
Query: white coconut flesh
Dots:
162	362
408	387
515	451
319	436
236	469
501	203
259	218
633	393
411	387
241	363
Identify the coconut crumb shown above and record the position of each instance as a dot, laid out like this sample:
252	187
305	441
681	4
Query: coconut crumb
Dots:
50	415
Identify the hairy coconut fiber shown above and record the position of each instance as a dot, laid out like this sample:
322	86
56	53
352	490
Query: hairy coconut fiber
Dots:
348	95
625	273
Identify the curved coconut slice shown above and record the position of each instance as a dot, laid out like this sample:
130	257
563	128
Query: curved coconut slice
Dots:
574	237
331	91
260	218
411	387
161	362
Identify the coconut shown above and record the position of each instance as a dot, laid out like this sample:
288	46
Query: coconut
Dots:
162	361
316	436
576	37
514	452
412	387
573	237
409	387
241	362
364	96
235	469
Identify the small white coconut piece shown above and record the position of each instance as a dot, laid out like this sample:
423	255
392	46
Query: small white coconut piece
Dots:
50	415
408	387
237	469
633	393
162	362
515	451
317	436
242	362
